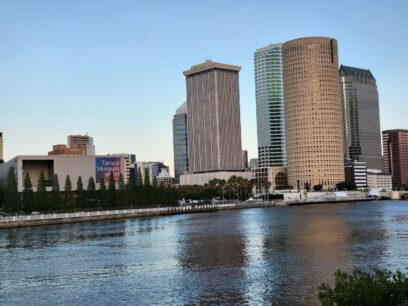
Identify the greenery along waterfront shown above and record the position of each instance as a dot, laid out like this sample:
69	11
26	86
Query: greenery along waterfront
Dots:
136	193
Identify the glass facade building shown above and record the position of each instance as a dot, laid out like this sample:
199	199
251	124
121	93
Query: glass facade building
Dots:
270	106
180	144
361	116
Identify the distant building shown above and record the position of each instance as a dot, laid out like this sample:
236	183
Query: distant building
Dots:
270	106
82	141
61	149
213	112
314	136
130	165
164	178
245	164
203	178
356	172
395	146
361	116
153	168
269	179
1	148
97	167
253	163
180	141
379	180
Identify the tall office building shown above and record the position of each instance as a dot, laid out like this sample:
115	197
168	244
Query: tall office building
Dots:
1	148
395	145
361	116
180	142
213	125
82	141
313	117
270	106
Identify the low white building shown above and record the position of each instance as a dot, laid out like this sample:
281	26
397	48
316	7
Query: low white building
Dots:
379	180
85	166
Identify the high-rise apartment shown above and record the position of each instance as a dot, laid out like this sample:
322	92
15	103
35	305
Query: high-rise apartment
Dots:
1	148
180	142
395	145
213	112
361	116
270	106
313	117
82	141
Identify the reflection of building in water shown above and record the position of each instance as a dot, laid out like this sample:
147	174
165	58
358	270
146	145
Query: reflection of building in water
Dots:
213	258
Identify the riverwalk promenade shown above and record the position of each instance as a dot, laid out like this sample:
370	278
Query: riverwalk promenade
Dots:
91	216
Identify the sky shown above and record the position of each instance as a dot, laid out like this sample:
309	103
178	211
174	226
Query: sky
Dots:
113	69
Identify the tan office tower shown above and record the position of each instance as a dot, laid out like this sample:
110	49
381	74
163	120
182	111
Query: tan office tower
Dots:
314	137
213	118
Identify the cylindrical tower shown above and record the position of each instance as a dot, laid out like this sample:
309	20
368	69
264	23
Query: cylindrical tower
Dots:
313	119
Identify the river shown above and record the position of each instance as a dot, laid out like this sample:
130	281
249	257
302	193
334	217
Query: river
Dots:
255	256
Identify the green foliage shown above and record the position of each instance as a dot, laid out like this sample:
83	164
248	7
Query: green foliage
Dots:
68	184
91	184
139	179
102	185
307	186
121	183
146	179
55	183
155	182
11	197
41	183
346	186
379	287
111	183
318	187
28	187
80	185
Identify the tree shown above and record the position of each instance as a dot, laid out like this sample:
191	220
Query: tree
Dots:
55	195
346	186
41	198
11	197
102	192
146	177
155	182
80	185
317	187
69	201
55	184
378	287
102	185
112	190
139	179
91	184
91	194
41	183
80	199
68	184
121	183
28	197
307	186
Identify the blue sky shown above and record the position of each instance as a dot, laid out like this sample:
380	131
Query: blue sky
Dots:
113	69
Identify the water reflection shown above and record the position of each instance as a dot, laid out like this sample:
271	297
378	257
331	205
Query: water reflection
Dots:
254	256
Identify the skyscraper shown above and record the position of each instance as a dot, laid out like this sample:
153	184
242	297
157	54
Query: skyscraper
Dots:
270	106
361	116
213	125
313	118
82	141
180	142
395	145
1	148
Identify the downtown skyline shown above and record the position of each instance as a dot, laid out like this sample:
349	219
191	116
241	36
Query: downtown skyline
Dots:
109	87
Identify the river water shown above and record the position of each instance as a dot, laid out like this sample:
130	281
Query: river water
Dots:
275	256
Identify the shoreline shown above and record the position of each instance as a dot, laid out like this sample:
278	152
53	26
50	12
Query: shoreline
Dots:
81	217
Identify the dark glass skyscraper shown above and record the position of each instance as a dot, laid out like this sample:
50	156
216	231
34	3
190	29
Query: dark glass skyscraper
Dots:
361	116
180	143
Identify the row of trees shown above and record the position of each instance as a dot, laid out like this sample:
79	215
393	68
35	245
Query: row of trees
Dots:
109	195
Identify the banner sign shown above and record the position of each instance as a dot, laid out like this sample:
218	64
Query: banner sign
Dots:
106	165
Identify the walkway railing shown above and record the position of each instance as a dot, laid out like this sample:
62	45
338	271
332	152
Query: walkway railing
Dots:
136	211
